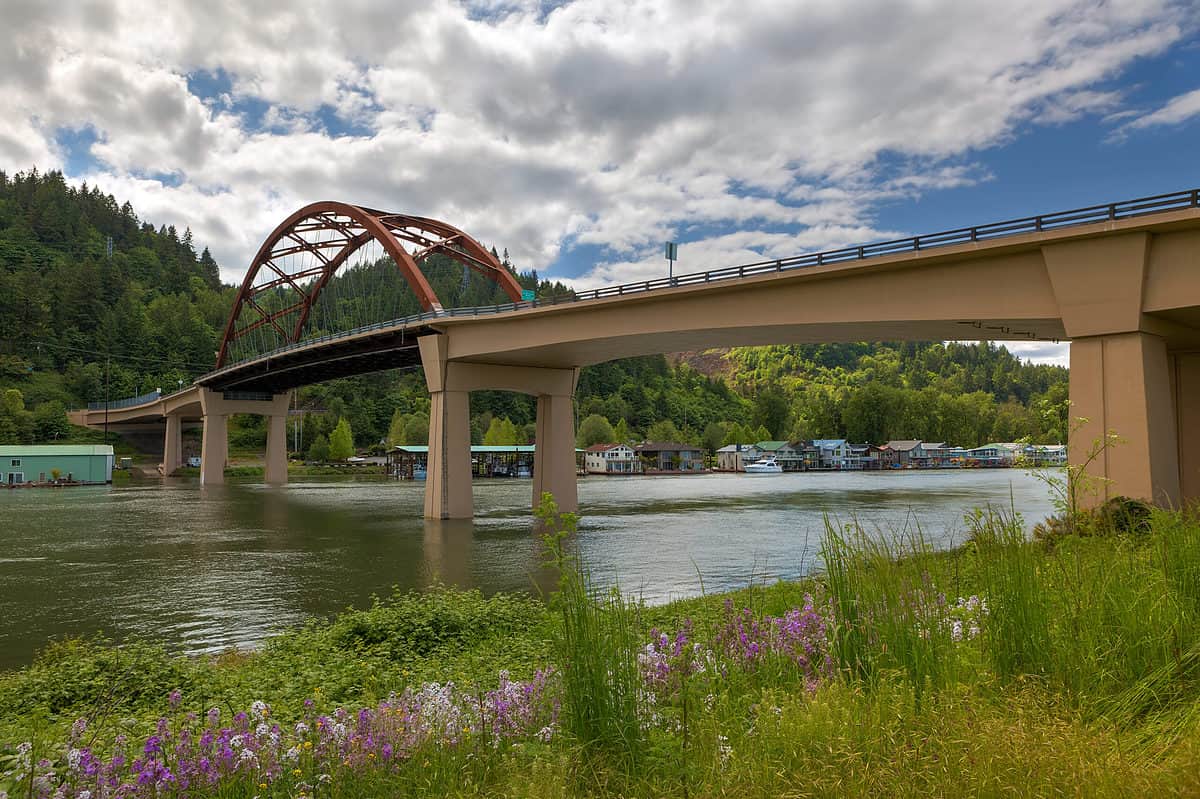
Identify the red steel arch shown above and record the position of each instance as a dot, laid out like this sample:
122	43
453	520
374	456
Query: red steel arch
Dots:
352	227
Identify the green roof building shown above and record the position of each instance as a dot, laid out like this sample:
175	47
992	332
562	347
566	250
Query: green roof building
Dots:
81	463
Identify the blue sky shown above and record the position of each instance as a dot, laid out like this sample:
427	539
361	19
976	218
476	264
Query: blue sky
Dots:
581	135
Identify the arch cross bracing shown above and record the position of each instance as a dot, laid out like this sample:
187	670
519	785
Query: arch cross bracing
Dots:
301	257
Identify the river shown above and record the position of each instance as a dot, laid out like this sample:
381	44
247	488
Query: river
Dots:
203	569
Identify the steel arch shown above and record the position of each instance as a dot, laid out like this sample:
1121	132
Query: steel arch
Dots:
357	226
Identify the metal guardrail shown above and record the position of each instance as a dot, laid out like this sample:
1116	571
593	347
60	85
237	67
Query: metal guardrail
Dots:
1126	209
128	402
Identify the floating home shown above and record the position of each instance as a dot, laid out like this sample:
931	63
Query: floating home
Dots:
408	461
56	464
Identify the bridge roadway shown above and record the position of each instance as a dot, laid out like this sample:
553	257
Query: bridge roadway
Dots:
1124	289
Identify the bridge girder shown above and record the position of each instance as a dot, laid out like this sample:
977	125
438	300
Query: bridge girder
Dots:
354	226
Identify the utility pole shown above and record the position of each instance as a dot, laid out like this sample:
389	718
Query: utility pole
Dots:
105	399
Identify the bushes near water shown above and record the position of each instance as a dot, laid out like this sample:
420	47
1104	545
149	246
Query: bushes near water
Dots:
1006	667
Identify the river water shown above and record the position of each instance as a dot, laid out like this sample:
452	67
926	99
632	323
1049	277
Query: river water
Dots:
202	569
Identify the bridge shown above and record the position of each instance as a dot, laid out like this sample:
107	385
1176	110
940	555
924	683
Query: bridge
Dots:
1120	281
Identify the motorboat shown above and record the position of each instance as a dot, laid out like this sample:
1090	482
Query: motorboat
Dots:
764	465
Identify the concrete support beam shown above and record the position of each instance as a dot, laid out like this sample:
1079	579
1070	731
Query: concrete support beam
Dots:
215	409
275	471
1122	384
448	471
1186	383
554	458
215	450
173	444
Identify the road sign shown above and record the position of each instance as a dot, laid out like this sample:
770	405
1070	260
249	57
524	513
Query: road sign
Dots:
672	251
527	295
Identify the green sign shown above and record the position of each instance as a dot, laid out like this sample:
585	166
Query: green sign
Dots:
527	295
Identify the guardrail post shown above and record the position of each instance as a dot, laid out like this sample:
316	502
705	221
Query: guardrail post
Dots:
1112	211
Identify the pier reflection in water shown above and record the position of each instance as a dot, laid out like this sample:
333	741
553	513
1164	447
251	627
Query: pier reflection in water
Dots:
206	568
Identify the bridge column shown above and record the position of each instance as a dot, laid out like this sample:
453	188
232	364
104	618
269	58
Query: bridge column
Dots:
448	469
216	406
275	471
448	466
173	445
1122	384
214	450
1186	382
554	457
1123	378
448	474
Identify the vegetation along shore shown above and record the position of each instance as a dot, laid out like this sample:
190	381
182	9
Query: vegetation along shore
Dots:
1068	664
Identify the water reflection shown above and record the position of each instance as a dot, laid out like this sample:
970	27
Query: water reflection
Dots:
204	568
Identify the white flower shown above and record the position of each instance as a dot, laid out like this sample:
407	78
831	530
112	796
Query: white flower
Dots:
292	755
73	758
261	730
259	708
236	742
301	728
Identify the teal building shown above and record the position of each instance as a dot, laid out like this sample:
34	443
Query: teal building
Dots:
83	463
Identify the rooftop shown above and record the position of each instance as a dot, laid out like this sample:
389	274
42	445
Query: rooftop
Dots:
51	450
665	446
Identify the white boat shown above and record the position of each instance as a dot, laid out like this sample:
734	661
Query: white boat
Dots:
764	465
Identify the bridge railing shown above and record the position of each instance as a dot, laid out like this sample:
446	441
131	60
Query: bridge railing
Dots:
1080	216
127	402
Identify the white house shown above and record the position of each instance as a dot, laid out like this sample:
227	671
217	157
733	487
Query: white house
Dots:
611	459
734	457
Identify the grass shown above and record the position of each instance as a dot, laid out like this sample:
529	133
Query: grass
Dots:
1083	678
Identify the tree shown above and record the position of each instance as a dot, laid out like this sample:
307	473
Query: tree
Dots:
772	411
341	441
16	423
502	432
50	421
416	429
663	431
319	450
595	429
713	437
622	433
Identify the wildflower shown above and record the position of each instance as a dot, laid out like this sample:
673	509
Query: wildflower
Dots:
174	698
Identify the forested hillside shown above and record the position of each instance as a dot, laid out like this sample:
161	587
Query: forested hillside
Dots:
94	299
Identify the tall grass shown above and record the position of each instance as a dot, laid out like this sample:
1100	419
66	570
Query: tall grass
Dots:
887	608
596	647
1017	629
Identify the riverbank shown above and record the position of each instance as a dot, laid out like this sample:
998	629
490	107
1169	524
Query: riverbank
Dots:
1001	667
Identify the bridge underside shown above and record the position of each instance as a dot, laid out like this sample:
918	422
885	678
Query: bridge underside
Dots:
319	361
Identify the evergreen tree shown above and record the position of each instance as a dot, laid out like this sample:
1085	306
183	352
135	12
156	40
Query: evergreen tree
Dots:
341	441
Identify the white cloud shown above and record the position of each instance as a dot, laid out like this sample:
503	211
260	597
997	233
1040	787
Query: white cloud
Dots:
603	122
1178	109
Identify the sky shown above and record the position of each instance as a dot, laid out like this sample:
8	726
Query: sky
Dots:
582	135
